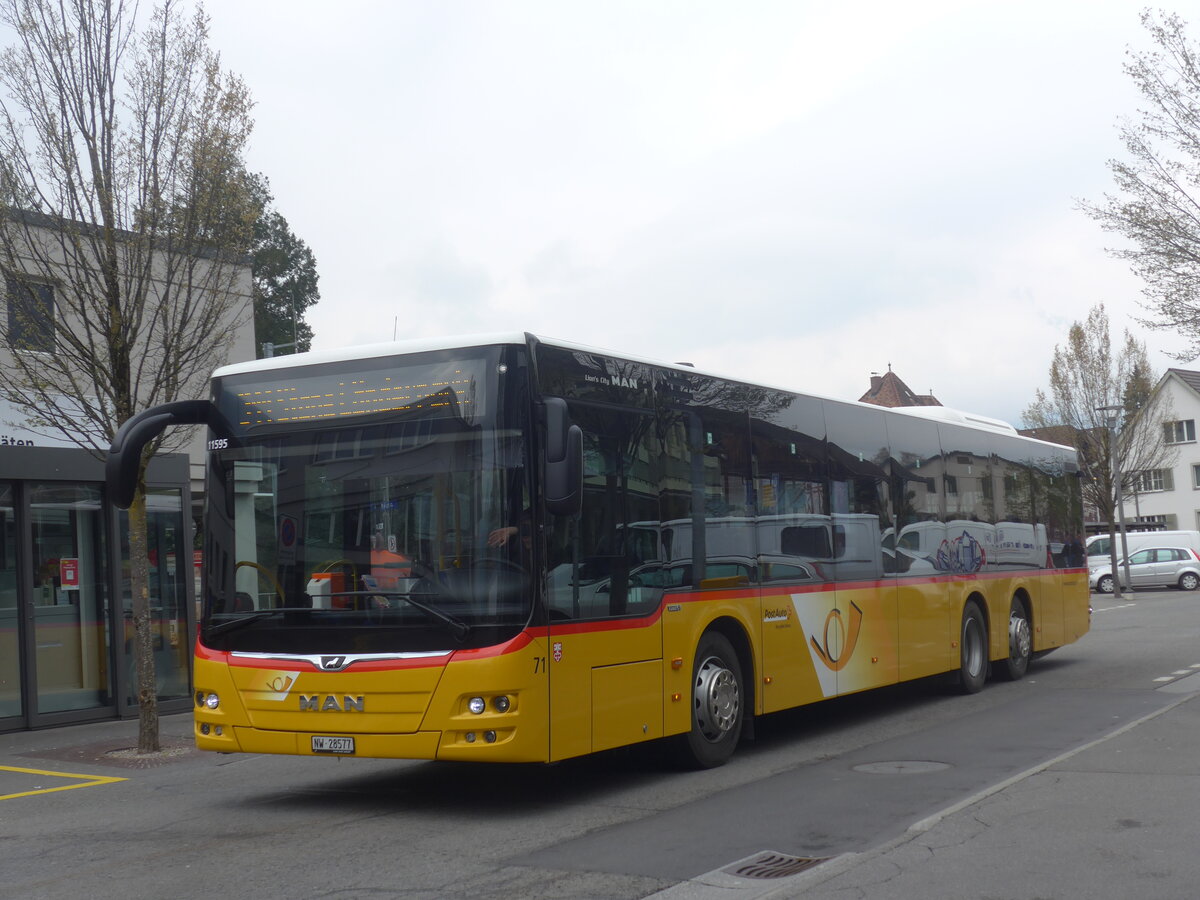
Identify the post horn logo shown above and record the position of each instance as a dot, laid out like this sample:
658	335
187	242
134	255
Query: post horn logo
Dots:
839	640
278	684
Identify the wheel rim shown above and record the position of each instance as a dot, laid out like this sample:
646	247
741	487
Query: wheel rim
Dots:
1189	582
1106	584
972	644
717	699
1019	639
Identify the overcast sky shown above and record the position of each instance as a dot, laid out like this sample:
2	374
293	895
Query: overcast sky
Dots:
800	193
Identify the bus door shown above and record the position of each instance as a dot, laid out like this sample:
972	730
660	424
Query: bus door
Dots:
603	590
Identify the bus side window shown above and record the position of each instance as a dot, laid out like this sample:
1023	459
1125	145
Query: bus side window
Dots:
600	563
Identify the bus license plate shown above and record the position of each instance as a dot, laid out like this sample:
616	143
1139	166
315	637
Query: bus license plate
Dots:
332	744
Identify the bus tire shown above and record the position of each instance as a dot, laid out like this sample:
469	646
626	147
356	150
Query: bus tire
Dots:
1020	642
973	650
716	697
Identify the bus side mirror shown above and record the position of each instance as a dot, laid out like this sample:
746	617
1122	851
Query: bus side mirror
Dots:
564	460
121	466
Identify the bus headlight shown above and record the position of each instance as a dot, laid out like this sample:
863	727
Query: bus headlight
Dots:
212	701
502	703
476	705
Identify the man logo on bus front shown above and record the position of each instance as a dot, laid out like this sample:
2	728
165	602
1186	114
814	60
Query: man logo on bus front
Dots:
333	663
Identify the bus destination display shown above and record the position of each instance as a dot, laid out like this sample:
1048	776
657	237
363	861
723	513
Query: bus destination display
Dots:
440	389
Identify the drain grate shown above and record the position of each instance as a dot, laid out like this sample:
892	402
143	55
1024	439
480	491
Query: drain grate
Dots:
773	865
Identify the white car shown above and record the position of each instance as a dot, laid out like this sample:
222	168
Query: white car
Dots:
1151	567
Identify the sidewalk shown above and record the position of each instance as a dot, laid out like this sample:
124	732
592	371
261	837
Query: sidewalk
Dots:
107	744
1116	818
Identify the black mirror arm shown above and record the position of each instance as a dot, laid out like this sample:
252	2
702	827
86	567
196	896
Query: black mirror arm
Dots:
124	455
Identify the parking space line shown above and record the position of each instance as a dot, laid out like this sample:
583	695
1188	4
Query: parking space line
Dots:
82	781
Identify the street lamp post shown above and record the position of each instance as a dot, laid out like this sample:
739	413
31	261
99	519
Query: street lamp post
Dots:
1111	418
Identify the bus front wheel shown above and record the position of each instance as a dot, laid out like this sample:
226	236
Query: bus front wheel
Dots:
973	652
717	711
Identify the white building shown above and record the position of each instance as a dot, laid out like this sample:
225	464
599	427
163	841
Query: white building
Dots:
65	608
42	315
1170	496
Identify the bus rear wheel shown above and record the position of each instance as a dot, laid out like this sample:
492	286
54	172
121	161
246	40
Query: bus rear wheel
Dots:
1020	642
716	696
973	652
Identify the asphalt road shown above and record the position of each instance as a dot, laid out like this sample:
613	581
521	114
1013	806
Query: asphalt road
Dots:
839	778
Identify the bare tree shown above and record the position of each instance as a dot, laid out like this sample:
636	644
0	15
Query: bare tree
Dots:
1088	381
122	187
1157	203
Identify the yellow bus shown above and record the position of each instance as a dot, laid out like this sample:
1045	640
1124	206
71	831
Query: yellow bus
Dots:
510	549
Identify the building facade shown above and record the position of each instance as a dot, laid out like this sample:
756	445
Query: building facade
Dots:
1169	497
66	631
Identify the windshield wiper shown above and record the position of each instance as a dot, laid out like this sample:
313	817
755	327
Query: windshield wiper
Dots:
458	628
249	618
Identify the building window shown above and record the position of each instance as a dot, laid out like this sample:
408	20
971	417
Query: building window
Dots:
1182	432
1154	480
1196	476
30	315
1148	523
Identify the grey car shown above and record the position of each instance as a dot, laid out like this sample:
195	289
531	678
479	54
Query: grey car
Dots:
1151	567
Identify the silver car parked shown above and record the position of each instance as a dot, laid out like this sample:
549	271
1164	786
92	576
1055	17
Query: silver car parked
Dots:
1151	567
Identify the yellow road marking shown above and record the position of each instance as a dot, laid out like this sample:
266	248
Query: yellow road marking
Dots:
84	781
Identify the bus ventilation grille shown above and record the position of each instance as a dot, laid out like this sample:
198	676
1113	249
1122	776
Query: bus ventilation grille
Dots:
773	865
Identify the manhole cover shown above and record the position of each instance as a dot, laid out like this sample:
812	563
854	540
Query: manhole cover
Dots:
772	865
902	767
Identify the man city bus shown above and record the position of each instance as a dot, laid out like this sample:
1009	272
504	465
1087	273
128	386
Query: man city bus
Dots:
508	548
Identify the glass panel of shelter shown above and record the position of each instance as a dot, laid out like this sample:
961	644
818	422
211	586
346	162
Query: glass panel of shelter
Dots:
70	601
10	645
170	560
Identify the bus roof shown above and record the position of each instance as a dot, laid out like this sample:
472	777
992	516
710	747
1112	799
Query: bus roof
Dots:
450	342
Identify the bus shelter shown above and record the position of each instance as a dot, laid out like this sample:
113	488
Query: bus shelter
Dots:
66	627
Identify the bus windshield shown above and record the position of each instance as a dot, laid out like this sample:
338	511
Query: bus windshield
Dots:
382	509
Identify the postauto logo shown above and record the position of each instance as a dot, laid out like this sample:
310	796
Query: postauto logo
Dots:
279	684
831	635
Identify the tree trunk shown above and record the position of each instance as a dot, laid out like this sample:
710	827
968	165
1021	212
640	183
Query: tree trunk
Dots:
143	642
